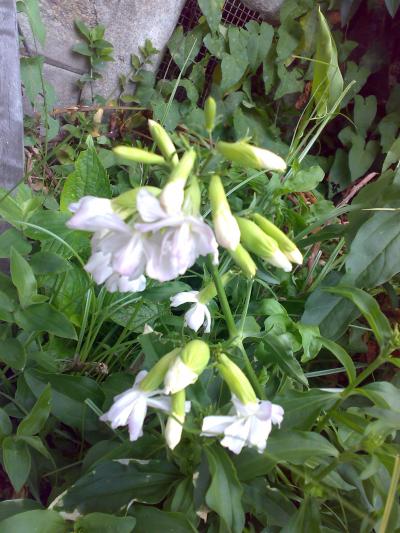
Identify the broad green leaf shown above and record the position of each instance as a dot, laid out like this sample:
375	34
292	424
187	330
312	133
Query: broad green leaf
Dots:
310	341
45	317
5	424
388	128
291	81
393	155
383	394
304	180
306	520
68	395
35	521
81	26
296	447
278	350
32	9
70	298
24	280
233	68
327	82
105	523
88	178
48	263
212	10
17	462
225	492
12	353
269	505
369	308
35	420
12	507
37	444
185	47
9	208
341	355
157	521
13	238
361	156
259	43
364	112
112	485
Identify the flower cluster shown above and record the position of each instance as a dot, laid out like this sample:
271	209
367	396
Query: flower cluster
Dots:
249	424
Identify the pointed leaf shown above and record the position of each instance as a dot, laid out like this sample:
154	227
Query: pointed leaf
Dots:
35	420
17	462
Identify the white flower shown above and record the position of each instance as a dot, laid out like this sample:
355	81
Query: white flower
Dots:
227	229
172	242
178	377
93	214
250	426
130	407
198	314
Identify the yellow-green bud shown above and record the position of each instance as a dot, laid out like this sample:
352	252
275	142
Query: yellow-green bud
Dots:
195	355
210	111
173	429
258	242
156	375
243	260
250	156
192	198
138	155
285	244
226	228
236	380
209	291
164	142
172	195
125	204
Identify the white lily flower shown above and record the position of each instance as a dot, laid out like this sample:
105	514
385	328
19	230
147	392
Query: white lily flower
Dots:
94	214
198	314
178	377
249	426
173	242
130	407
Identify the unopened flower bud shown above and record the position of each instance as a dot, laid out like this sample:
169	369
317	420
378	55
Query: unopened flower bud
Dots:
285	244
237	382
258	242
226	228
157	374
192	198
125	204
243	260
187	366
138	155
210	111
210	291
164	142
173	429
250	156
172	195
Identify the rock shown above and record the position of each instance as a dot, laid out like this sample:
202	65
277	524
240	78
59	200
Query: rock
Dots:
268	9
128	24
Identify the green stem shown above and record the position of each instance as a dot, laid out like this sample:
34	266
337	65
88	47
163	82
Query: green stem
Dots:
394	483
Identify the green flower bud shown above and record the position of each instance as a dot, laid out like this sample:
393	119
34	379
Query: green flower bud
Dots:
138	155
164	142
243	260
156	375
210	111
249	156
172	195
195	355
209	291
173	429
125	204
285	244
237	382
226	228
258	242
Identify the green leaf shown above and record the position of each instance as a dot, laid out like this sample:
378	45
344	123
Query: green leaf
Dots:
233	69
152	519
342	356
270	506
68	395
291	81
37	444
12	353
13	238
185	47
369	308
36	521
32	9
364	112
17	462
296	447
327	82
36	419
306	519
88	178
225	491
279	351
393	155
5	424
12	507
310	340
304	180
212	10
259	43
361	156
82	28
104	523
112	485
45	317
48	263
24	280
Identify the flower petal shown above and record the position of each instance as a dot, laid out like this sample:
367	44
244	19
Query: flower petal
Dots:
215	425
178	377
236	435
136	419
184	297
207	323
195	316
149	207
163	403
